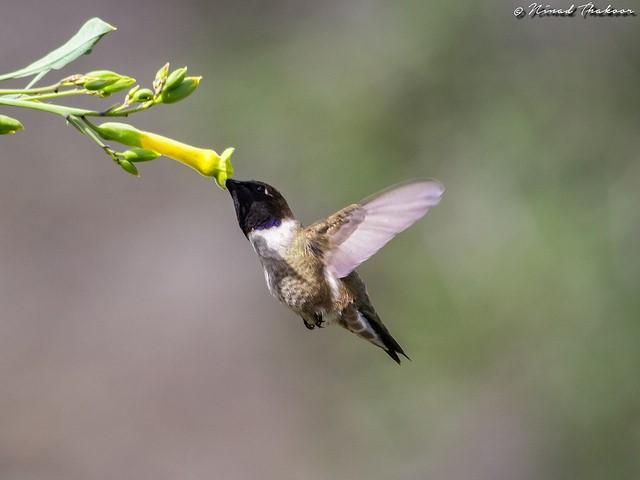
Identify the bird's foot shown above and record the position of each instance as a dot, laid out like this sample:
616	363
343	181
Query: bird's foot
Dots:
319	321
310	326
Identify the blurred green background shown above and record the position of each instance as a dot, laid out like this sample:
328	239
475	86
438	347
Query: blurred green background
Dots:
137	337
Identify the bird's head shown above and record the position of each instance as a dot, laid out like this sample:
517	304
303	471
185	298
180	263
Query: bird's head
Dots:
258	206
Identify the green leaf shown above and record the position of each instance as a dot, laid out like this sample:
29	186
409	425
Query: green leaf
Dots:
82	42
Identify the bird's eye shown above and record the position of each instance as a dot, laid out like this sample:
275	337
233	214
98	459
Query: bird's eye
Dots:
262	189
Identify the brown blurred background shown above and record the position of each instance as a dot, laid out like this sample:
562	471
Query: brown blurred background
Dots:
137	337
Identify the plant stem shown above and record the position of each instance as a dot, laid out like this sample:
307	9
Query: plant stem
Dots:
66	111
85	127
47	107
126	111
66	93
28	91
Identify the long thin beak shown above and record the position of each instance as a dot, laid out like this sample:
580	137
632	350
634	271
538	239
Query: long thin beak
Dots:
231	184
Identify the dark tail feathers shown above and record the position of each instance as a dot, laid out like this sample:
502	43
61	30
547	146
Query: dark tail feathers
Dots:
390	345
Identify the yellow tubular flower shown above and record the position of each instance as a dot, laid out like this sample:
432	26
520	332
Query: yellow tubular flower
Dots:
204	161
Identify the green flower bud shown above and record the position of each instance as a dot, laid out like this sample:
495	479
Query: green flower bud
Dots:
9	126
99	79
141	96
132	92
140	155
120	132
97	84
175	78
128	167
102	75
182	91
163	72
120	84
161	78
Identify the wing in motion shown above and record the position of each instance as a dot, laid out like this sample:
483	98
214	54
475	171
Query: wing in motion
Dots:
358	231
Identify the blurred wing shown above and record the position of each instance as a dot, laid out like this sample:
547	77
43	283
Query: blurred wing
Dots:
358	231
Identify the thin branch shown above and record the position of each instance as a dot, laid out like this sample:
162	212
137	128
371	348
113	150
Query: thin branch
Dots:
27	91
47	107
65	93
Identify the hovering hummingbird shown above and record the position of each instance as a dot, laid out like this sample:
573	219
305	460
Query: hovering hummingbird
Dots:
312	269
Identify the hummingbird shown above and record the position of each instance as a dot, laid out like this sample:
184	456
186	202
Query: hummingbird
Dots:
312	269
